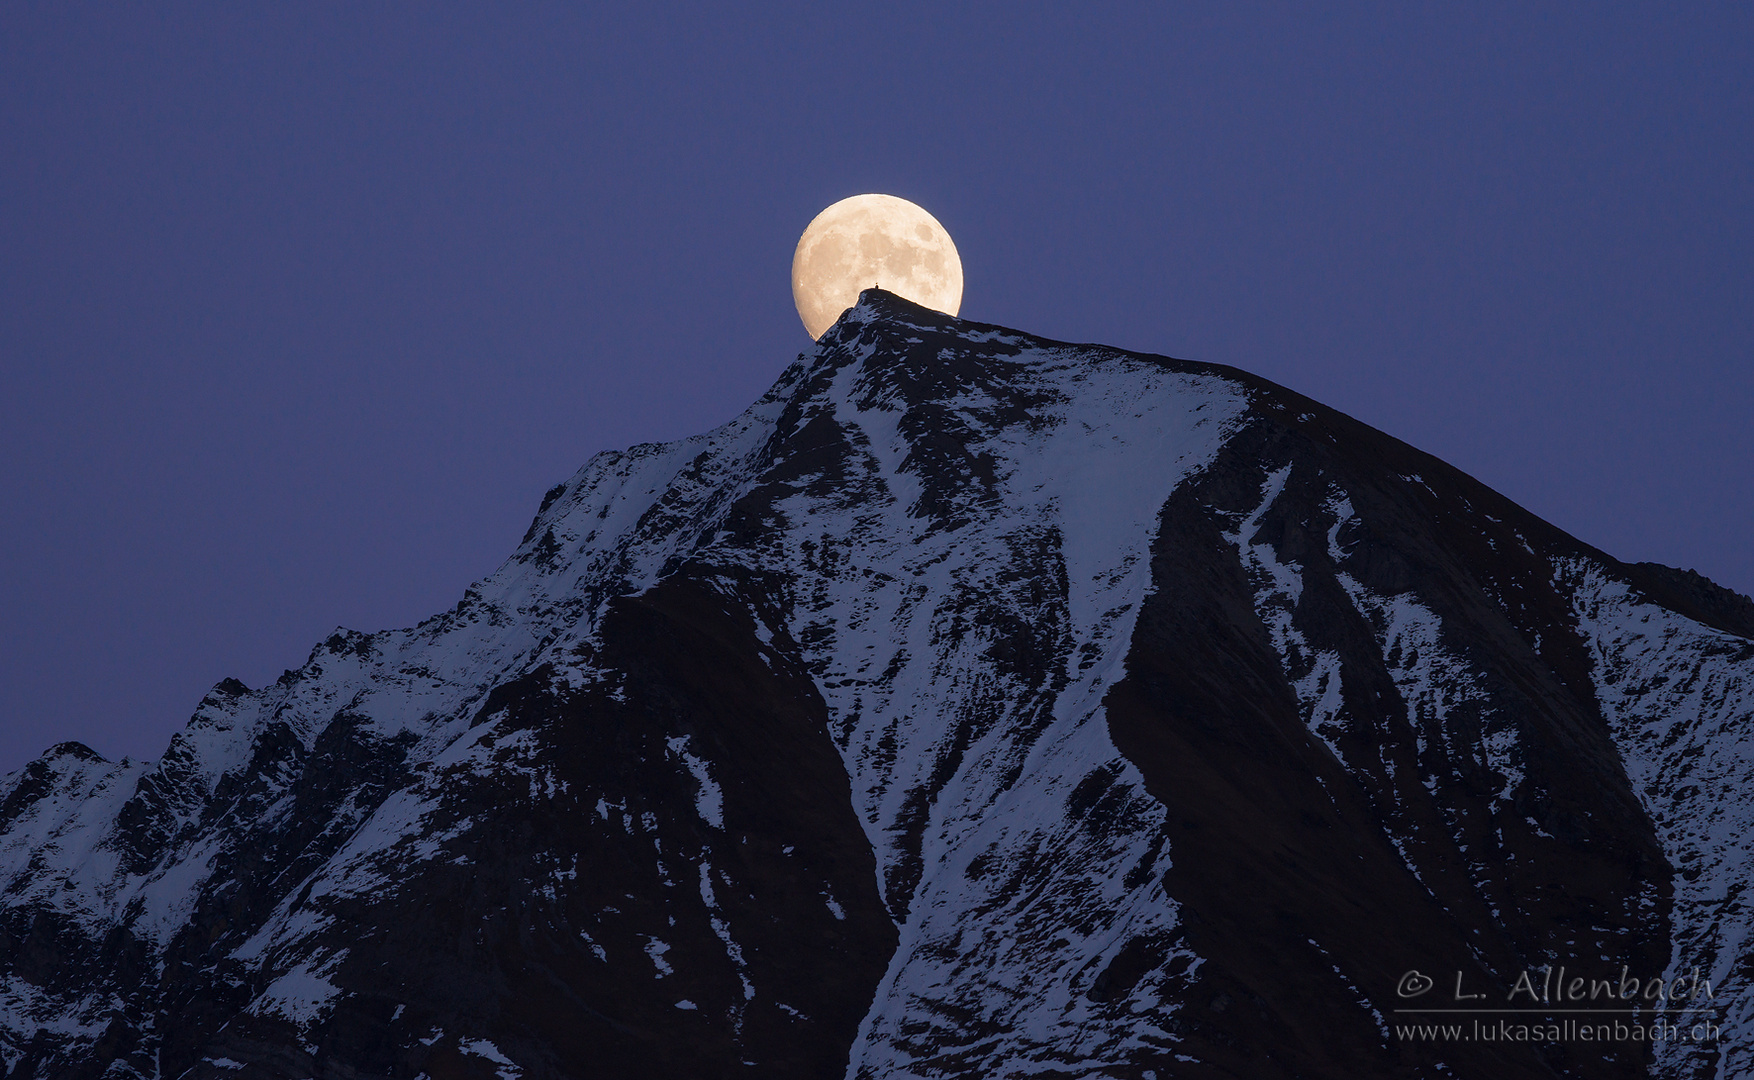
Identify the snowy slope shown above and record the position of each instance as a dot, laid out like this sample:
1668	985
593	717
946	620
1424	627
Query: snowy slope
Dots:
1681	699
972	705
964	636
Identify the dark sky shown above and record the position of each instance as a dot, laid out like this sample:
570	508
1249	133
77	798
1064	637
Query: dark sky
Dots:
302	307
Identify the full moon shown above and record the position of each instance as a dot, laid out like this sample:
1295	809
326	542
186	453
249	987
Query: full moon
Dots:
873	240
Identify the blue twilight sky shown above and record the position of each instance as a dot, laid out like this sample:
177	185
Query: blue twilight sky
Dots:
302	306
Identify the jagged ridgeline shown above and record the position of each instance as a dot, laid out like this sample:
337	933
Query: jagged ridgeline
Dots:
973	705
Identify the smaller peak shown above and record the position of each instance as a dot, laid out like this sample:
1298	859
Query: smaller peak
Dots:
77	750
344	640
1697	597
224	695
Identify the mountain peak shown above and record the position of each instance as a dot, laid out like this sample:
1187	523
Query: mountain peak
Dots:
972	705
880	305
76	750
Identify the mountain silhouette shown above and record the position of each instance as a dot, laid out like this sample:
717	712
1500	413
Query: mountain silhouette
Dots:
973	705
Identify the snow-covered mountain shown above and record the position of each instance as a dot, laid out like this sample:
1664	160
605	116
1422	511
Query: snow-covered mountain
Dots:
973	705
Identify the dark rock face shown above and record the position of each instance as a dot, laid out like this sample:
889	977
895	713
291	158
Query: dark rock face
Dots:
1308	870
537	925
974	705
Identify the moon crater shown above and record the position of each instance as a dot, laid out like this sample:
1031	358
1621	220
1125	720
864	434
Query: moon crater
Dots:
873	240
